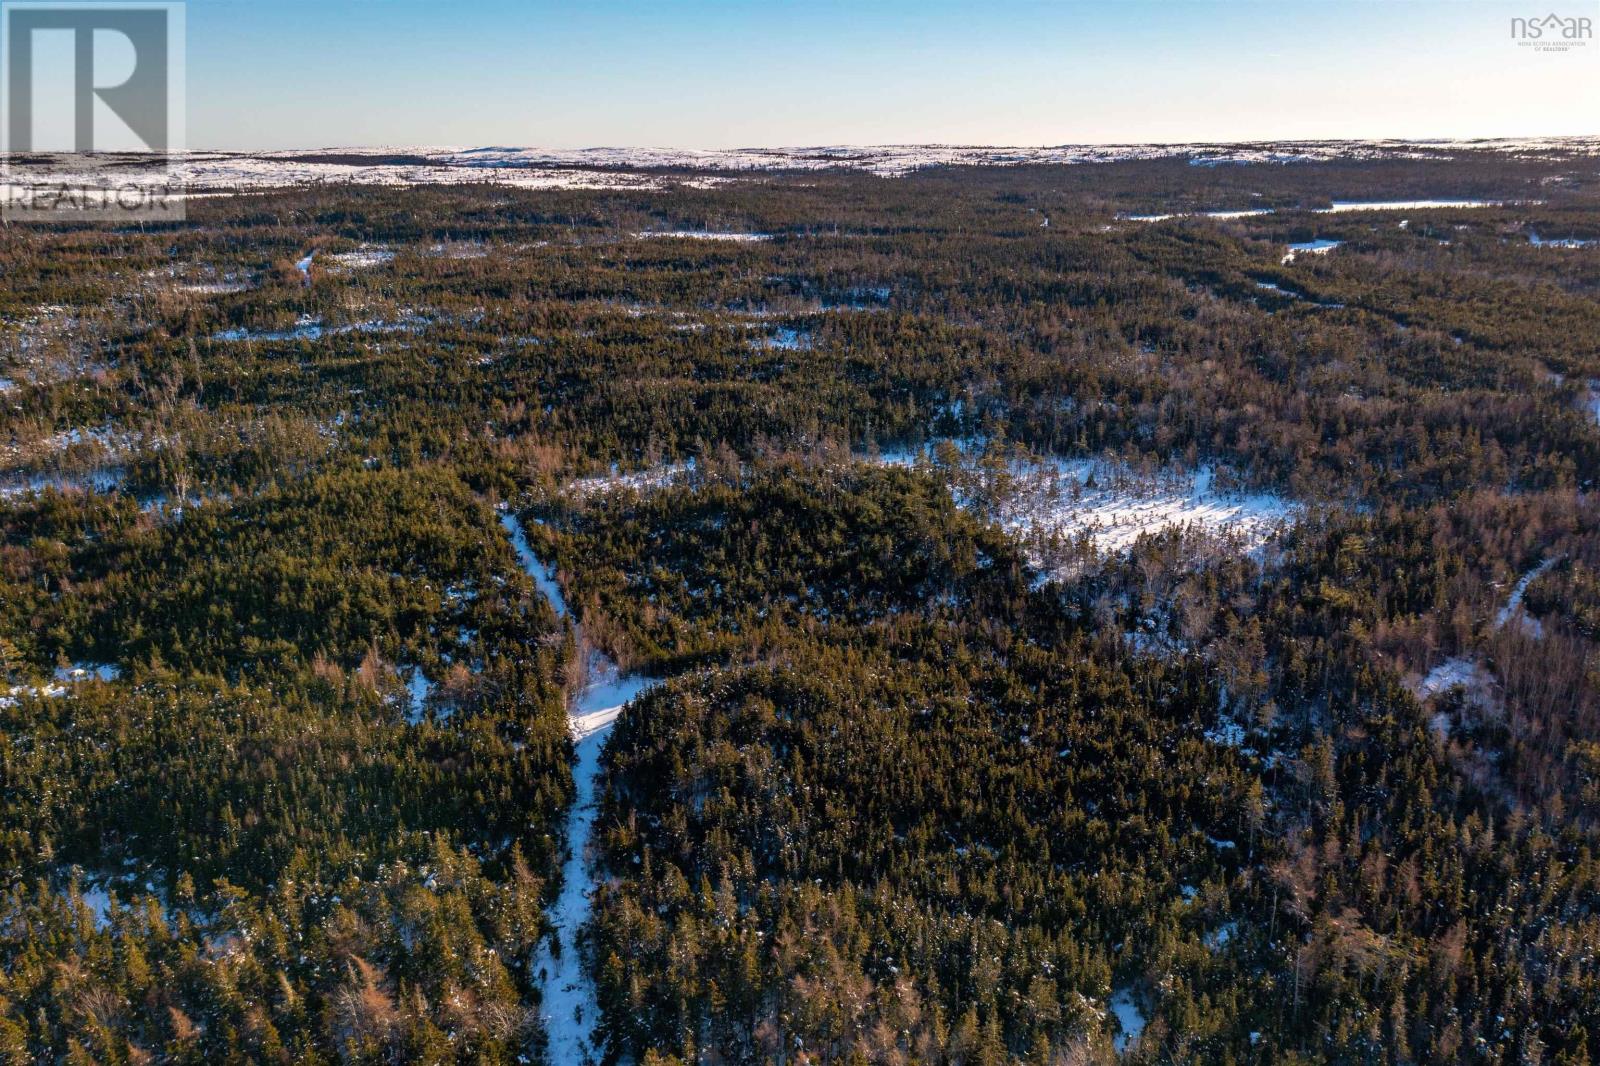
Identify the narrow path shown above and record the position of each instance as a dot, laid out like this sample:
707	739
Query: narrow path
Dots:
1513	606
569	1009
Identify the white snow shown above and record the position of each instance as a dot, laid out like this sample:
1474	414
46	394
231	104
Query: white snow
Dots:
708	235
311	328
569	1006
656	477
1559	242
1119	511
1129	1018
33	484
1513	607
1593	400
1321	246
213	288
1220	936
1222	215
98	899
1052	498
88	671
19	692
1340	207
787	340
602	699
363	257
543	576
210	173
305	328
1227	733
1456	672
304	266
419	688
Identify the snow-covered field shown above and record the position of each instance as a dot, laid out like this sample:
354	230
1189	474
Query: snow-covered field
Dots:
1340	207
209	172
1119	510
1111	507
1321	246
1086	500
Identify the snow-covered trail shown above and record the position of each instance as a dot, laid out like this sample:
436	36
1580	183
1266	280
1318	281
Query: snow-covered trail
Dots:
1513	607
569	1009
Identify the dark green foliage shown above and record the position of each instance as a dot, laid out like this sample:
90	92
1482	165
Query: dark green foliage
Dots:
900	799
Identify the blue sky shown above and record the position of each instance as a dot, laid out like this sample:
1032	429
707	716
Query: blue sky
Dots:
720	74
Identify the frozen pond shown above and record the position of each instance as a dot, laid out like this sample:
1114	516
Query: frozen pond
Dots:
1112	508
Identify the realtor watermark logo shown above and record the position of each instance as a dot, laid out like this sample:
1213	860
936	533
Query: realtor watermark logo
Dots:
93	112
1553	33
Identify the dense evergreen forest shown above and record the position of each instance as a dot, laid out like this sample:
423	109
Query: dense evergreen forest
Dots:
1110	613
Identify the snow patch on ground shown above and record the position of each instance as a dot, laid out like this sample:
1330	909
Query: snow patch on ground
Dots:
1320	246
362	258
656	477
543	576
1513	607
1109	507
79	672
34	484
66	676
1452	673
1130	1019
13	693
213	288
419	688
707	235
1116	513
311	328
1559	242
784	339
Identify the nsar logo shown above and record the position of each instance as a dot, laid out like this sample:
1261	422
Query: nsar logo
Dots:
1553	33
